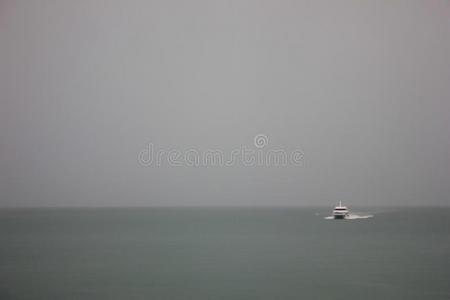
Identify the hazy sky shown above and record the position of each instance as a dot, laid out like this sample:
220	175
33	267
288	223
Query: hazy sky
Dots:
362	88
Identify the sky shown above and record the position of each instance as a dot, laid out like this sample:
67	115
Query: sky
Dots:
360	88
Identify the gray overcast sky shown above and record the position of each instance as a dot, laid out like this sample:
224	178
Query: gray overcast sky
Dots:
361	87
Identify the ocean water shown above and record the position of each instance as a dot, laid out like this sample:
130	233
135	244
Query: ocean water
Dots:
224	253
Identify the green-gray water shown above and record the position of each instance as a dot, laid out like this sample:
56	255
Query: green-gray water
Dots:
223	253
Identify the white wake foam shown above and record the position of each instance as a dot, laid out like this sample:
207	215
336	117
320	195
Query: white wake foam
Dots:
352	217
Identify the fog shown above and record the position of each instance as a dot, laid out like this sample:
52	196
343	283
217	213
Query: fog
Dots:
360	88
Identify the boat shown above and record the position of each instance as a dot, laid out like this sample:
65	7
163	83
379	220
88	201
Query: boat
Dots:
340	212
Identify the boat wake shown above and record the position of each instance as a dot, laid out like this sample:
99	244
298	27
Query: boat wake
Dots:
351	217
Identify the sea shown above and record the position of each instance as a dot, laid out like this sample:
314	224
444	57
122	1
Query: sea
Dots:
224	253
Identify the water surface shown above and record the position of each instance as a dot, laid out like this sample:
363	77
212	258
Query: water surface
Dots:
223	253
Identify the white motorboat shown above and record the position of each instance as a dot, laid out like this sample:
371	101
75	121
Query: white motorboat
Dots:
340	212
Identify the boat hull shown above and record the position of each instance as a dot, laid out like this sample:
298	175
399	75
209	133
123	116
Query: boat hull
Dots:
339	216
